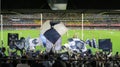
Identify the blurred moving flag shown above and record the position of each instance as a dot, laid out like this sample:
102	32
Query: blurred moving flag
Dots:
58	44
91	43
76	44
88	41
27	43
34	42
43	39
55	47
94	43
19	45
53	30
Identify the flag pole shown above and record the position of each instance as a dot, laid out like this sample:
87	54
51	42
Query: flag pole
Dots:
82	26
41	19
2	30
41	22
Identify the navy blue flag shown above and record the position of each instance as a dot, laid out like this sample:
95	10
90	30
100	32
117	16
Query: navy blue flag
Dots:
105	44
52	35
53	31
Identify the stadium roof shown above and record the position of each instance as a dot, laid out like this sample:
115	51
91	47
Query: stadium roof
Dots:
72	4
37	6
34	11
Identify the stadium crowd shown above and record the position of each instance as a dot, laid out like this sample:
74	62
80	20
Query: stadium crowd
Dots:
92	18
69	19
64	59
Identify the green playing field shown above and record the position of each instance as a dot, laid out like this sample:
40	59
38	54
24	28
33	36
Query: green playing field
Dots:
114	35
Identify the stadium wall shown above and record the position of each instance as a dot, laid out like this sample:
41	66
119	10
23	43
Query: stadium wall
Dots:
90	26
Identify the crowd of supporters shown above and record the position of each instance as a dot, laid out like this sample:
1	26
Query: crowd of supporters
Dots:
65	59
71	17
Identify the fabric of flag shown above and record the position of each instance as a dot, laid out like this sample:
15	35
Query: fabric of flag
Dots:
52	35
19	45
43	39
88	41
94	43
27	43
45	27
77	45
81	45
52	31
49	45
34	42
91	43
54	47
105	44
58	44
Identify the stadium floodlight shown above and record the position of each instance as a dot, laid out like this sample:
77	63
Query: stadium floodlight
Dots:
58	4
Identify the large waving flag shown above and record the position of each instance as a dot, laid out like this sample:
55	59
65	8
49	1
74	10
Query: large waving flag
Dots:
53	31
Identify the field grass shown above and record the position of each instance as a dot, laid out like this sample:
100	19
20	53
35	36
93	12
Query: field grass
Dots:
114	35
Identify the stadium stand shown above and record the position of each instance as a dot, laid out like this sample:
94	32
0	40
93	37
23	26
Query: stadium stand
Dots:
99	59
69	19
